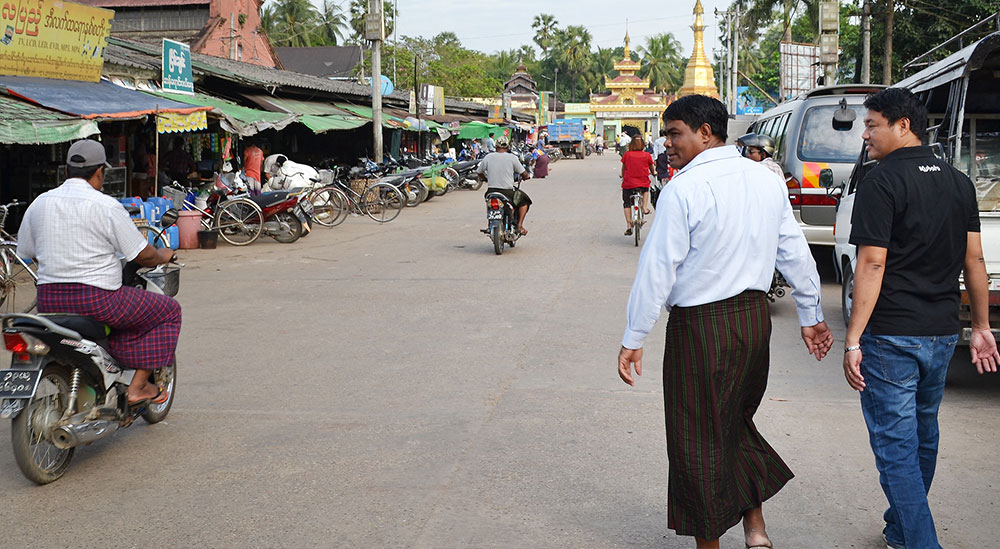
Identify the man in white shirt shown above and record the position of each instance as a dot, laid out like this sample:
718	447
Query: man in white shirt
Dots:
77	234
710	259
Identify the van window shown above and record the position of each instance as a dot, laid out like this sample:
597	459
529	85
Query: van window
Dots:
819	142
984	169
779	136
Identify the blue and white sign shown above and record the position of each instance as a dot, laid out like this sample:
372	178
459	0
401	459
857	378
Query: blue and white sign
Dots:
746	103
176	77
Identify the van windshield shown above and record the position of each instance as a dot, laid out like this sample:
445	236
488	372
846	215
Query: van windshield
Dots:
819	142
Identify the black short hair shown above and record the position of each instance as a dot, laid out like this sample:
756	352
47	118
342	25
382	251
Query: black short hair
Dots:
663	133
695	110
898	103
85	172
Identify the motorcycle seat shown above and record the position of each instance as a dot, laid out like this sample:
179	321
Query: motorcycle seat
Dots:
460	166
270	198
87	327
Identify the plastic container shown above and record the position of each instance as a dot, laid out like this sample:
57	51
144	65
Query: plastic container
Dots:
153	211
188	224
132	201
175	196
173	236
207	240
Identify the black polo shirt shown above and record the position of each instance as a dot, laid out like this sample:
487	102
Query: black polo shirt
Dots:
921	210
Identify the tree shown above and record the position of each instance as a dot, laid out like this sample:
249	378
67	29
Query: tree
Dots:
333	24
661	62
546	27
603	63
290	22
571	54
359	10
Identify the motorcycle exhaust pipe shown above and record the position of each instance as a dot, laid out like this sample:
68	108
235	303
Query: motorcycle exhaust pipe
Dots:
71	436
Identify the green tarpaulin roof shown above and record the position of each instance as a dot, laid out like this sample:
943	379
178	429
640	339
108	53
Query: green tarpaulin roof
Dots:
477	130
236	119
320	124
26	124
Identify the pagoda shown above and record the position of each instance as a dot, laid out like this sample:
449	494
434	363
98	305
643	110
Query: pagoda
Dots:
699	78
628	101
522	89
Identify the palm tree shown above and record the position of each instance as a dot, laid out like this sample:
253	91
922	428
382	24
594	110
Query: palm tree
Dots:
546	27
505	63
573	57
661	62
333	22
291	22
602	63
756	15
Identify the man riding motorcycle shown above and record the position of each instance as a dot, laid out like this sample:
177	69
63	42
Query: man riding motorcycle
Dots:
77	235
499	170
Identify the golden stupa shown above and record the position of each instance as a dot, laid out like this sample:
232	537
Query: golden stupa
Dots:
699	78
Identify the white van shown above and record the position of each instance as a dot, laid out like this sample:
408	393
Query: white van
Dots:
962	94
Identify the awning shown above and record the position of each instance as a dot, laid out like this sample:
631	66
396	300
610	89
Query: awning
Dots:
25	124
235	118
477	130
333	122
317	116
175	122
91	100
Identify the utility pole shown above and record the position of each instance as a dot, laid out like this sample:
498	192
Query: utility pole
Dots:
375	31
232	38
887	49
866	43
734	75
724	71
395	36
555	92
829	39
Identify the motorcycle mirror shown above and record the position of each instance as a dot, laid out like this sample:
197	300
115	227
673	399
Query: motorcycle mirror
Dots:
169	217
843	118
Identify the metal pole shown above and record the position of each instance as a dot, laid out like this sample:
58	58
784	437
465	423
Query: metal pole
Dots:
555	92
736	61
395	37
866	49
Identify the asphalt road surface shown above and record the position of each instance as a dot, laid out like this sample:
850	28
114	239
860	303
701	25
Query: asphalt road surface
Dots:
402	386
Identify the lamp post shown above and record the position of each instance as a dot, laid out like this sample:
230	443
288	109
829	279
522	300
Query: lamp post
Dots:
555	90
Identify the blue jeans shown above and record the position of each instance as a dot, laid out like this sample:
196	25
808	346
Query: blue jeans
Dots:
904	383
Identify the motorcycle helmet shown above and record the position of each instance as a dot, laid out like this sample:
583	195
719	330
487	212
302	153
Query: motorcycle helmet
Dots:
762	142
503	141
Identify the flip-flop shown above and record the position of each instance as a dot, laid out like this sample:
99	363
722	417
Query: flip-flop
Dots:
161	396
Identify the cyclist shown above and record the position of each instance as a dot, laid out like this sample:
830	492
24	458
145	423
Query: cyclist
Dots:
75	233
637	166
499	169
760	148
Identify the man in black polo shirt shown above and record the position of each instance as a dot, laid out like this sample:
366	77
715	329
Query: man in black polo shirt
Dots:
916	226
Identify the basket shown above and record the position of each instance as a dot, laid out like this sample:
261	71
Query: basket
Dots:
167	279
176	196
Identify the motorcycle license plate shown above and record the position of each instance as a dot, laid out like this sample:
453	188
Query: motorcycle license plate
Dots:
494	214
306	206
18	383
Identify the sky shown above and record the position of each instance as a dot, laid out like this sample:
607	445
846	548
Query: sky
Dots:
490	26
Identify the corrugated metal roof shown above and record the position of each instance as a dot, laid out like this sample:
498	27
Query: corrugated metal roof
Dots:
141	3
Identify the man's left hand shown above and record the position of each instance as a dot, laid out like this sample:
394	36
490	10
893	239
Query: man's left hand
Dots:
626	358
818	339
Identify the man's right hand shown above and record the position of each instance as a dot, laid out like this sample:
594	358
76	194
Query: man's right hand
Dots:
983	347
818	339
626	358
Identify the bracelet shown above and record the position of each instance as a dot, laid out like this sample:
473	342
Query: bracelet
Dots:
852	348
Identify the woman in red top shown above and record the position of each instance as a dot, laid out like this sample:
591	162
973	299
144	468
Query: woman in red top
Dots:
637	166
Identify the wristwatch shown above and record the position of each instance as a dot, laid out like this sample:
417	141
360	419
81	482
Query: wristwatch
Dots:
852	348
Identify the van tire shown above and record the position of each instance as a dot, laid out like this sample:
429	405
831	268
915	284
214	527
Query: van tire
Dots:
847	293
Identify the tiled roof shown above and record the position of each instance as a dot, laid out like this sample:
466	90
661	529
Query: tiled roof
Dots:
626	78
604	100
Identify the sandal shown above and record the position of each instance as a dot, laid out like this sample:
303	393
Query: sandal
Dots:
628	231
161	396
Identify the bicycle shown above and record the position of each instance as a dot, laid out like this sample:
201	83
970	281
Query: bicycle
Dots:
638	218
18	276
238	220
331	203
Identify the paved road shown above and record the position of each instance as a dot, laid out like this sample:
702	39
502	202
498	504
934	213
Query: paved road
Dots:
401	386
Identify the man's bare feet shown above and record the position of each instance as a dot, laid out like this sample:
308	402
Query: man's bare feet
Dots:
148	390
756	539
523	231
754	533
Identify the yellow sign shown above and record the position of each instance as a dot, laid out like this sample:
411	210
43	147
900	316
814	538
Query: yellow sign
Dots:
496	116
173	122
53	39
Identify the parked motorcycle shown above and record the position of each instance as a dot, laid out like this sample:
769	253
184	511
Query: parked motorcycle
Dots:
286	215
64	389
501	220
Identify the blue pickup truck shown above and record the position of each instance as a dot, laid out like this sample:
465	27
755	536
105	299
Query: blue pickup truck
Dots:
567	135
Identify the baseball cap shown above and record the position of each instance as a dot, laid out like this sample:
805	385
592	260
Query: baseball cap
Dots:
502	141
85	154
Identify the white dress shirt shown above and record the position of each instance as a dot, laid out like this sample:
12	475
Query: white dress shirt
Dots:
659	148
78	235
722	225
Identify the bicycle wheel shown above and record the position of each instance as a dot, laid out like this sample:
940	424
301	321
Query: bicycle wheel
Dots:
157	237
18	281
239	221
330	206
382	202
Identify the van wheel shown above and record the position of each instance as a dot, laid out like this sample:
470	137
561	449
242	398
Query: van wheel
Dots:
847	293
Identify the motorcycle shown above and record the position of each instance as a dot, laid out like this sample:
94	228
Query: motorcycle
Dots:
501	219
64	390
286	215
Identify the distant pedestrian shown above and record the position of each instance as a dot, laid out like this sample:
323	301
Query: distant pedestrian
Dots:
721	227
916	226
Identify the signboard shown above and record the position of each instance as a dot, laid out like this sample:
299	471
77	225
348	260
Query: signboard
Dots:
431	100
626	115
176	76
746	103
53	39
374	21
496	116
